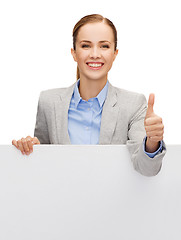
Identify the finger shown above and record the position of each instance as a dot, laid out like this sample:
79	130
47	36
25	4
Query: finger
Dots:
155	133
29	138
154	127
30	144
151	101
20	146
153	121
156	138
25	145
14	142
35	140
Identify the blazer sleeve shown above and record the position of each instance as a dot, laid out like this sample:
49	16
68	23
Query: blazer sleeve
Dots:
136	133
41	127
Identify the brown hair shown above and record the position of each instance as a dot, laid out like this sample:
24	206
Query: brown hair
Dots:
92	19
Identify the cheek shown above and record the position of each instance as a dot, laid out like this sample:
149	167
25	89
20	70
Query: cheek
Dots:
109	58
81	56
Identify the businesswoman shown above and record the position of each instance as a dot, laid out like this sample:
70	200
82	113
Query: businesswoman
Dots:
92	111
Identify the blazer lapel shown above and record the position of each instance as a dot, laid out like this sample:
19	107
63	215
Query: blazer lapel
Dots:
61	111
109	116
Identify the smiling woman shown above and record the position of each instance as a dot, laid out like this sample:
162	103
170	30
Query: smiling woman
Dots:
92	111
109	41
94	50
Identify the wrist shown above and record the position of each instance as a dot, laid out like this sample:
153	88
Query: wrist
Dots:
151	146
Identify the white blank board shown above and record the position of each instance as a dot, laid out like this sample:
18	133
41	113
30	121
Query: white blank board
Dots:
87	193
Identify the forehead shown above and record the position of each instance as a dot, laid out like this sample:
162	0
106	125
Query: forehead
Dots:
95	32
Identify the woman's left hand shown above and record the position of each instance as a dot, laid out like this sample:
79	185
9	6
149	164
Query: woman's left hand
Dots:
154	127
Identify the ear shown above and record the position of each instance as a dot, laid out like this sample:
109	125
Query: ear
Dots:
115	54
73	52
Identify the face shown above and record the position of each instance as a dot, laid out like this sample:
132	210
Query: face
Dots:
95	51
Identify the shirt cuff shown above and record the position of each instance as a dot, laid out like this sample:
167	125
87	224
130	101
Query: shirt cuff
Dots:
152	155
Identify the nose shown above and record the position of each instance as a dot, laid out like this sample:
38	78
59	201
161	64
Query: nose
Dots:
95	53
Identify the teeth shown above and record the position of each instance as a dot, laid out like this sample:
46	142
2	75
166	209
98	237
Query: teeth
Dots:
94	65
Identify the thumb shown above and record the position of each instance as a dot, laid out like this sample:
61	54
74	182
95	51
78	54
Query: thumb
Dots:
151	101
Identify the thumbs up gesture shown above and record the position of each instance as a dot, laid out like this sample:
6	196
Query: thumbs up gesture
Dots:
153	126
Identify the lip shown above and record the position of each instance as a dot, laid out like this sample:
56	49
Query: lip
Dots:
95	68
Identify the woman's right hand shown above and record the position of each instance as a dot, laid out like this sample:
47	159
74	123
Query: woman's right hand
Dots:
25	145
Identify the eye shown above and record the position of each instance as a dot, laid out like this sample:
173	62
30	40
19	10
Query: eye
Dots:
105	46
85	46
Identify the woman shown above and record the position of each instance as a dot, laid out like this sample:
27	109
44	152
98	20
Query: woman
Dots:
92	111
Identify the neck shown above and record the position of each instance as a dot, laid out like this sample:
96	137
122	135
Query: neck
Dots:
91	88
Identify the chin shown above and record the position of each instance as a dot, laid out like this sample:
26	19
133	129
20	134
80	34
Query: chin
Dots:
96	76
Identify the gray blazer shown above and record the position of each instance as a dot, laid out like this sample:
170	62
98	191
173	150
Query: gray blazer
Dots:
122	123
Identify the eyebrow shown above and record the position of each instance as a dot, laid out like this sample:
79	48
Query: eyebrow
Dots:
103	41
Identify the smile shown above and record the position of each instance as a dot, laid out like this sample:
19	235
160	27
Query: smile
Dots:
95	65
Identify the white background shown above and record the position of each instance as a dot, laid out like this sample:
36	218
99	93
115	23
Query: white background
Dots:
35	43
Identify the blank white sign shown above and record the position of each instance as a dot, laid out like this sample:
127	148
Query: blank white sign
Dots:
87	193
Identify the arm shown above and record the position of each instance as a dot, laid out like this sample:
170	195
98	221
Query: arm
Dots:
136	134
41	127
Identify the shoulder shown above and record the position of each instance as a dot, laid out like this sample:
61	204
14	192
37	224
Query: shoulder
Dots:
128	97
55	94
51	93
